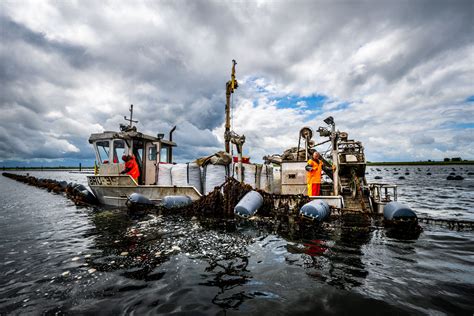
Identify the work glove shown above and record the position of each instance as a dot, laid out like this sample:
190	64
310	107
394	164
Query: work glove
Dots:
308	168
123	172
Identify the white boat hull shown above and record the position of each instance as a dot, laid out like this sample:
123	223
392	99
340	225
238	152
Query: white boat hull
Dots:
113	190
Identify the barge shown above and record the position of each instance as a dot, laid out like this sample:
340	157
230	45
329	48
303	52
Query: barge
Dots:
344	185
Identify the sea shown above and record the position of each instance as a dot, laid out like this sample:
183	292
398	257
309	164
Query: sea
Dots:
57	258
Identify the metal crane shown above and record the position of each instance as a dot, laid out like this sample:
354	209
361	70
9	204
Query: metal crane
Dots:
231	136
230	86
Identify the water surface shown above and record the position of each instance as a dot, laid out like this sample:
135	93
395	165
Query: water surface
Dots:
59	258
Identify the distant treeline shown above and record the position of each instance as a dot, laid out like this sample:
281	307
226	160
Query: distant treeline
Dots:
49	168
419	163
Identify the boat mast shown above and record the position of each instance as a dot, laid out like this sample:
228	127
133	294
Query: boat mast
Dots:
230	86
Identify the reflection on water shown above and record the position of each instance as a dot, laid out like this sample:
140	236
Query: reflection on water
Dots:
332	254
57	258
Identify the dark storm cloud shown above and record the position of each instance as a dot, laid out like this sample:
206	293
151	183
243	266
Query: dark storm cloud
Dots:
13	65
13	32
69	69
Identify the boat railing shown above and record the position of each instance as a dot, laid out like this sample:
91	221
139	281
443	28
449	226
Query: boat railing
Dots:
383	192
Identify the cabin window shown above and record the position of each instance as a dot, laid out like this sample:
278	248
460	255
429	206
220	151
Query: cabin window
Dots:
152	153
164	154
103	149
119	150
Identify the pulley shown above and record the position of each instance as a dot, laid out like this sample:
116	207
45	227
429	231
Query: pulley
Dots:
343	136
306	133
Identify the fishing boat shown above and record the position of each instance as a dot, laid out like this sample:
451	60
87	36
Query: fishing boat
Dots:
344	186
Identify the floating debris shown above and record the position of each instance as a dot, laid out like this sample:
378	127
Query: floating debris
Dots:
455	178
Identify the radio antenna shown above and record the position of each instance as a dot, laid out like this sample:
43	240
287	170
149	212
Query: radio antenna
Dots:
130	120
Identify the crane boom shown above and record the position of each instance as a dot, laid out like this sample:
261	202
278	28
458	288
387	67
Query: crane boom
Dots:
230	86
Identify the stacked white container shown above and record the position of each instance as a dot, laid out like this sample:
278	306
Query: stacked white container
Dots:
186	174
277	180
266	178
251	174
164	174
213	176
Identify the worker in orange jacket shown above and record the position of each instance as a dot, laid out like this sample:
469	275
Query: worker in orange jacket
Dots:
131	167
313	174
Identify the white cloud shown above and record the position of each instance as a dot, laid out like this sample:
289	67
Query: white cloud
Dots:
402	70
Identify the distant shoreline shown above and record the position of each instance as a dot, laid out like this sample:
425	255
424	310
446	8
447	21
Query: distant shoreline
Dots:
49	168
420	163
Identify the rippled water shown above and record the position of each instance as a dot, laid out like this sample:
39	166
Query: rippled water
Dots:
58	258
426	189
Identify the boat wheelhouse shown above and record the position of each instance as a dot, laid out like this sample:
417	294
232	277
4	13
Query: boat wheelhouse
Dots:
111	187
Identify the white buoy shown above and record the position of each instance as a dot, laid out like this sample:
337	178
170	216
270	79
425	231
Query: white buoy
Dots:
316	209
249	204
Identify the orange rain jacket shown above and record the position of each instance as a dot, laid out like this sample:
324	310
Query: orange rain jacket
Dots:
131	164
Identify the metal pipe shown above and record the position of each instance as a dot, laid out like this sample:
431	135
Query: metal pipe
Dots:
171	133
230	86
241	167
335	159
298	149
170	151
227	118
306	149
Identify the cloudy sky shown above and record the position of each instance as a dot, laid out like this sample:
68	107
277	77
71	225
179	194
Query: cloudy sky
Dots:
397	75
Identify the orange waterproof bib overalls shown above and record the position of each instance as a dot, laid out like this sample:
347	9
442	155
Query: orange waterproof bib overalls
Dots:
313	177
